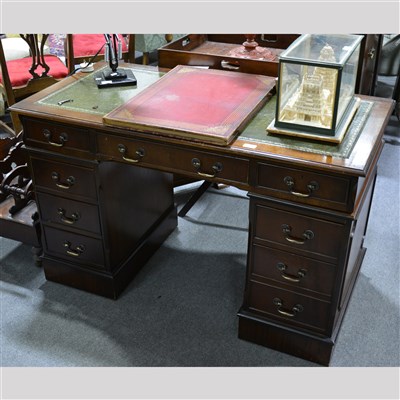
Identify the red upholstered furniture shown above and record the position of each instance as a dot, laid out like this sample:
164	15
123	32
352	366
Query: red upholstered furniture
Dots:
18	70
82	47
22	77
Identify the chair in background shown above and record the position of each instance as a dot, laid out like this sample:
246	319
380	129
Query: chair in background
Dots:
389	59
389	69
390	65
81	48
396	95
13	48
22	77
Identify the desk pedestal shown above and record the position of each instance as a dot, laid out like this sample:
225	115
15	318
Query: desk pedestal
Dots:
100	221
111	284
303	263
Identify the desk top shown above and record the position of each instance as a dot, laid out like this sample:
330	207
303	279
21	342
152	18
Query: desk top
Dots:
90	104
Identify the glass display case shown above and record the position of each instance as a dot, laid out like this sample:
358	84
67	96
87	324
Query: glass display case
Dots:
316	84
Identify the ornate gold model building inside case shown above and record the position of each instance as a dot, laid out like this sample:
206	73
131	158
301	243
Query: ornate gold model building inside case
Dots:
313	99
316	82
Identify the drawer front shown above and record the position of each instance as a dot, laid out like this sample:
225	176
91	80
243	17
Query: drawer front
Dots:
307	187
58	138
293	270
286	306
170	59
64	179
74	248
68	213
173	159
301	232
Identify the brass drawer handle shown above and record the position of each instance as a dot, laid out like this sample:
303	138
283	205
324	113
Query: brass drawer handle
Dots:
70	181
301	273
68	220
217	167
311	187
139	152
228	65
287	313
74	252
307	235
371	53
63	138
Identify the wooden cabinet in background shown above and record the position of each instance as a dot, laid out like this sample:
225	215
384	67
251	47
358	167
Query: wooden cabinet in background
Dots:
214	51
368	64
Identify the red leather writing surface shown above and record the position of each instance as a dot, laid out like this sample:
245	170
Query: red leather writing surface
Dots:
194	103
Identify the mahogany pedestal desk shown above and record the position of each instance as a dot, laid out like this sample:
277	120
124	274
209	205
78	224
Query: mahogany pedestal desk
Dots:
105	198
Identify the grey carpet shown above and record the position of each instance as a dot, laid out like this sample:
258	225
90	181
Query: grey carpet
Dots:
181	308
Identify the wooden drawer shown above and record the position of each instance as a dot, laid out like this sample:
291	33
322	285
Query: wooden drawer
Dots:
284	268
68	213
328	191
288	307
173	159
62	139
311	235
64	179
75	248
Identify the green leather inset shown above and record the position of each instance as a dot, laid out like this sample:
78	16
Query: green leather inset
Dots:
88	98
256	131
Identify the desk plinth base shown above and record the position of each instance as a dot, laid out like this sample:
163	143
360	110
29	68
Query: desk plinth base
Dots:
299	344
110	284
